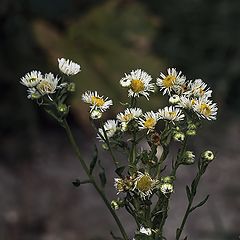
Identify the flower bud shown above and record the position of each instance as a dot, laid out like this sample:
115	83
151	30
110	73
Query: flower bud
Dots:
188	157
146	231
114	205
174	99
167	179
166	188
207	155
124	126
191	132
71	87
96	114
179	136
63	108
105	146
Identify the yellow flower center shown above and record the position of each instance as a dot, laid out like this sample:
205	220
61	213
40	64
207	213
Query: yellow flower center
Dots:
97	101
45	87
172	114
137	85
205	109
169	81
33	79
144	184
128	117
150	123
193	102
201	91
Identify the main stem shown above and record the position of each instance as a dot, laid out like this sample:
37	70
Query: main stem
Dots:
92	180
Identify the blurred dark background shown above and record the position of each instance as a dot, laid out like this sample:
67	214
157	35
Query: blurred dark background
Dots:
109	38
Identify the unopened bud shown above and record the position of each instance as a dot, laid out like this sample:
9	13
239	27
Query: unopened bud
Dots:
96	114
174	99
179	136
63	108
71	87
166	188
191	132
188	157
124	126
114	205
208	155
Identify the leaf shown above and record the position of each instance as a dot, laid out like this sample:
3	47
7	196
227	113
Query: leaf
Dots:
200	204
188	191
94	160
119	171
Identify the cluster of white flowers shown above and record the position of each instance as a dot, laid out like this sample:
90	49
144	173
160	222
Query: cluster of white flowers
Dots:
39	84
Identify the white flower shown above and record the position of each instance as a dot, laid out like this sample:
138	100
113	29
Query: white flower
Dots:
205	109
68	67
31	79
173	81
138	83
166	188
48	84
144	184
171	113
129	114
96	102
174	99
186	102
33	93
148	121
198	88
110	128
208	155
146	231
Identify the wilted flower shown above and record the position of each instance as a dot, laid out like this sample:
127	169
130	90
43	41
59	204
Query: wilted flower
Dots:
68	67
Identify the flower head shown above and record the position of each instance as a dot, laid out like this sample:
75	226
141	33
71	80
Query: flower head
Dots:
186	102
171	113
198	88
68	67
208	155
148	121
31	79
110	128
48	84
129	114
144	184
123	185
205	109
166	188
174	99
138	82
96	102
173	81
146	231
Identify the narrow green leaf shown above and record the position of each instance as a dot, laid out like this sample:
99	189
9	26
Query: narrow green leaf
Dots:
200	204
103	178
94	160
188	191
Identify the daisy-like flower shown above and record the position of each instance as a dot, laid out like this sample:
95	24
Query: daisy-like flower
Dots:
148	121
205	109
198	88
171	113
144	184
31	79
138	82
96	102
146	231
68	67
129	114
48	84
110	128
173	81
186	102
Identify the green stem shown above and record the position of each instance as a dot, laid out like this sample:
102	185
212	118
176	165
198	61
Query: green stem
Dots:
92	180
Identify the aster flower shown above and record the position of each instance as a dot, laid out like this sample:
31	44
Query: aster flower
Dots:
110	128
173	81
138	82
148	121
166	188
144	184
68	67
96	102
205	108
171	113
31	79
48	84
186	102
198	88
129	114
